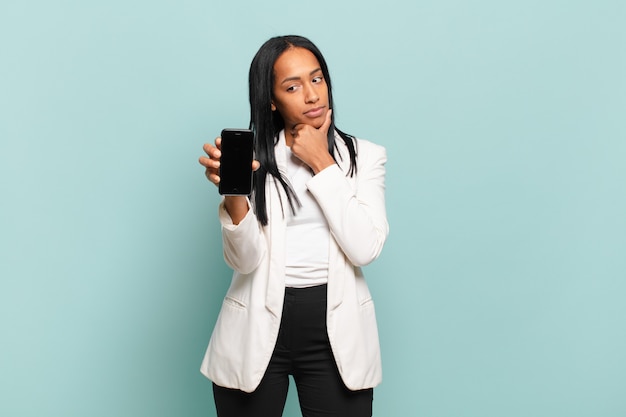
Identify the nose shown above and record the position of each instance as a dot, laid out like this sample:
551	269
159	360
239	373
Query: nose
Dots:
311	95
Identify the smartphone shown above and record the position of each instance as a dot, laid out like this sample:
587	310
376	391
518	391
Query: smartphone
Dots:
236	162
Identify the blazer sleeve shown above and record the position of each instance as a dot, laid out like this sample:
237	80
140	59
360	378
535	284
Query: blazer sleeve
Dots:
243	244
355	208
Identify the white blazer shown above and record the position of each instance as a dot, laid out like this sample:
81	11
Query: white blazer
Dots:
247	327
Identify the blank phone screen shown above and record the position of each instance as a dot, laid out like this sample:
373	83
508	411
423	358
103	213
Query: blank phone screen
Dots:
236	162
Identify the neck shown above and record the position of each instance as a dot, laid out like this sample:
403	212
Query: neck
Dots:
288	138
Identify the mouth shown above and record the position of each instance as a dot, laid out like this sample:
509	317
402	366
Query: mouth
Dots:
316	112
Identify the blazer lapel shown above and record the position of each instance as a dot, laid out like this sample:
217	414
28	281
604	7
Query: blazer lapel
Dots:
275	233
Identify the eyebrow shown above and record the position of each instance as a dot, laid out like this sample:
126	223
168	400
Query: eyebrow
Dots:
297	78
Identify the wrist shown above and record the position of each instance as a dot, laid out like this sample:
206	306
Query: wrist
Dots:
323	164
236	207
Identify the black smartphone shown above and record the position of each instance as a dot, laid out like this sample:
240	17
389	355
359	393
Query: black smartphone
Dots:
236	162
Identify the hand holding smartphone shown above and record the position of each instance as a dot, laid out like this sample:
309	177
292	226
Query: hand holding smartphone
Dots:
235	171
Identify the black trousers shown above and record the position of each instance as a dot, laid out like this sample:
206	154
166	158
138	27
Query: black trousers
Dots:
302	350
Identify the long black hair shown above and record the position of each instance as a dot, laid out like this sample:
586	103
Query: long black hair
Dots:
266	123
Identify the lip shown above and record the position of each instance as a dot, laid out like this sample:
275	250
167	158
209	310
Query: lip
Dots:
316	112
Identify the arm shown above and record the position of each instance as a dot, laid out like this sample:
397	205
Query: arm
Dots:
355	213
243	243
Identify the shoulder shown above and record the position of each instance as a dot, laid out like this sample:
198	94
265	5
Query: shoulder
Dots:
369	156
365	149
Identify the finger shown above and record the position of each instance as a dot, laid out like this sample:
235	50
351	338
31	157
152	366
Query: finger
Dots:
208	149
209	162
211	176
326	125
204	161
296	128
256	165
212	151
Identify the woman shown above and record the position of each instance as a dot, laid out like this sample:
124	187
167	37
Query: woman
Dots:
298	303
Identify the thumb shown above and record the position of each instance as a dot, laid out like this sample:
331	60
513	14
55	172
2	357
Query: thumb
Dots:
326	125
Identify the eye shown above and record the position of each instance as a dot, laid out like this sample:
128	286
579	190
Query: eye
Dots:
317	80
292	88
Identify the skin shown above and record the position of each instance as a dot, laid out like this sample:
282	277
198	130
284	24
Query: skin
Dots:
301	97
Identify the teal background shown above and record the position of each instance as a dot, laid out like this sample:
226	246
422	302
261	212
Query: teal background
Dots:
501	290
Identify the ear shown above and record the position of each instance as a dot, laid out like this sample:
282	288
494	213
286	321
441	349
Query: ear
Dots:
273	106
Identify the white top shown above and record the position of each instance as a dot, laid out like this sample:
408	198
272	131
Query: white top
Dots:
307	239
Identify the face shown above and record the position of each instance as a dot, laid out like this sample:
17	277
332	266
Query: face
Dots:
300	90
